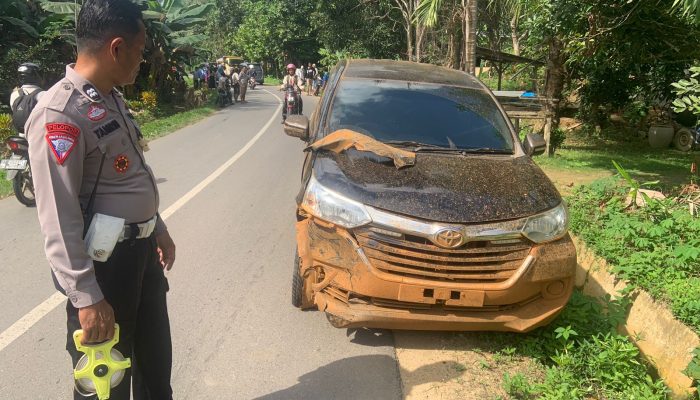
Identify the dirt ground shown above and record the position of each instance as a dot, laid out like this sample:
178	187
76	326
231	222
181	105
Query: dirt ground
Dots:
565	180
450	365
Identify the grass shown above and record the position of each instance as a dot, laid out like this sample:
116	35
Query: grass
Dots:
582	155
163	125
271	80
5	185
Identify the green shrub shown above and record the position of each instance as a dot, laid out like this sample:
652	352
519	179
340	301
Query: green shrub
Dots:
585	357
149	99
656	248
6	128
556	139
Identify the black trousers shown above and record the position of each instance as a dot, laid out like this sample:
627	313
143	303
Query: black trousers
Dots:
133	283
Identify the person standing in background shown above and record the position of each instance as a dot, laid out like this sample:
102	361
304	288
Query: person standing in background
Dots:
243	77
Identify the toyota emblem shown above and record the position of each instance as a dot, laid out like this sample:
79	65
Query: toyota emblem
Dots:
449	238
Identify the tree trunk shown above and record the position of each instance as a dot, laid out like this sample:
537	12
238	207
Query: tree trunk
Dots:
554	86
454	46
470	15
409	41
514	34
420	34
556	72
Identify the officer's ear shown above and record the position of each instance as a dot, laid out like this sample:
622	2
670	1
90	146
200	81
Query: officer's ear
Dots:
116	46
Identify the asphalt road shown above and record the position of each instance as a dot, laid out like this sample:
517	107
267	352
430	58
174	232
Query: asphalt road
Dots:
235	333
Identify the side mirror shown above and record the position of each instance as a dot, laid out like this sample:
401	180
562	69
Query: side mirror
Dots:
534	144
297	126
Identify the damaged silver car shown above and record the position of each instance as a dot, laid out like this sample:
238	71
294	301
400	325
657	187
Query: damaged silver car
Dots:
420	209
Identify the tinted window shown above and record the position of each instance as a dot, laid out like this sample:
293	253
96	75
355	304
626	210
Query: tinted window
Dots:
447	116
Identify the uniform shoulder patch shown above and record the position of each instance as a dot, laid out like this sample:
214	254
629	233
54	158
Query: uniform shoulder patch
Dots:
62	138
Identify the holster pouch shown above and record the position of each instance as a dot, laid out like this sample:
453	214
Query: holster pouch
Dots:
102	235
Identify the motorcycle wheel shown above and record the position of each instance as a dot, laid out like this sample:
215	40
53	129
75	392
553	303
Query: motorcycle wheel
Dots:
24	189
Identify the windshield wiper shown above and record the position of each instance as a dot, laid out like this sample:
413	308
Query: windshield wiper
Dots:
488	150
434	148
413	143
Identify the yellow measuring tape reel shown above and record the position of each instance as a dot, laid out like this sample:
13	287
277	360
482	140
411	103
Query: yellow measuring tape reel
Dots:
101	368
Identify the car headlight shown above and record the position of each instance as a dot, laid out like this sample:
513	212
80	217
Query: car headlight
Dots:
548	226
333	207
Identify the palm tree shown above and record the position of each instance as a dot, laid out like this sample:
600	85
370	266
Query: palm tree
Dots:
690	8
427	12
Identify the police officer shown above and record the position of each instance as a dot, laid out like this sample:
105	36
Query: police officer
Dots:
84	144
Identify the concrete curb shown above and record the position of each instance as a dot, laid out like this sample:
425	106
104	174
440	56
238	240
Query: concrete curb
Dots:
666	342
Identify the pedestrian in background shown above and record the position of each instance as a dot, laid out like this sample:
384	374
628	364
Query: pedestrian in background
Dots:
243	77
87	160
301	74
309	79
235	82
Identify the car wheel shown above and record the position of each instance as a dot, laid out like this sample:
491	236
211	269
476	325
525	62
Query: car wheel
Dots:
683	139
297	283
302	294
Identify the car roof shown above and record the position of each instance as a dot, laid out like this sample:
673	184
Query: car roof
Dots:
410	72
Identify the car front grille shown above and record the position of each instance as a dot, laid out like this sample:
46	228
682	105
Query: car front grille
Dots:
417	257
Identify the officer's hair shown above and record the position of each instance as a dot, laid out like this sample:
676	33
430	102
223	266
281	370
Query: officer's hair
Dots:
102	20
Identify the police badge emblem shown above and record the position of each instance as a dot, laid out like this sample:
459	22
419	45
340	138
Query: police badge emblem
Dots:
61	138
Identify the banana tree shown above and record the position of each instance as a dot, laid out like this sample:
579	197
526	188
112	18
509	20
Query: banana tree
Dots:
171	37
172	40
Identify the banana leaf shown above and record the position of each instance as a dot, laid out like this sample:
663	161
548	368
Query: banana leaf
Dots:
193	11
153	15
21	24
189	40
57	7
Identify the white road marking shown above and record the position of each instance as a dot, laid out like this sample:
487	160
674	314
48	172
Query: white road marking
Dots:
32	317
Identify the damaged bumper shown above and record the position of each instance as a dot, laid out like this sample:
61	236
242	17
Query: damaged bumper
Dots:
369	277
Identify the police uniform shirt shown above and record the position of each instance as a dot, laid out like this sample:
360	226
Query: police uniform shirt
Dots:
70	129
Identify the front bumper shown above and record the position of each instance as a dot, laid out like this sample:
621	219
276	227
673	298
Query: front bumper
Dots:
351	288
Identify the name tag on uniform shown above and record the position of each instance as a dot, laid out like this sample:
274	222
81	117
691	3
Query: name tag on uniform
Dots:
104	130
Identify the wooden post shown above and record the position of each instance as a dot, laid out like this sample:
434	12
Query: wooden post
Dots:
516	125
500	74
548	134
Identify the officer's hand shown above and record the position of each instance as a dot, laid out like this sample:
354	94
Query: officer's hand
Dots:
97	322
166	250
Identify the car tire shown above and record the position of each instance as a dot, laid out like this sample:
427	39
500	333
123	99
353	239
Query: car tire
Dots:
683	139
302	293
297	282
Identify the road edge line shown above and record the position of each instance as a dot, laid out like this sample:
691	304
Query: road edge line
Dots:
22	325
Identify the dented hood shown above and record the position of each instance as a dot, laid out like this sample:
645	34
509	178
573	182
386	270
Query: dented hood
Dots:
439	187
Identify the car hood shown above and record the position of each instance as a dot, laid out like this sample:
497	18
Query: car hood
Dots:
439	187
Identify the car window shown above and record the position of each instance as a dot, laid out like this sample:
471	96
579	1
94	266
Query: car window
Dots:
438	115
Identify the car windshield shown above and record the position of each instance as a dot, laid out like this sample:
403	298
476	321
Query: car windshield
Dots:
421	114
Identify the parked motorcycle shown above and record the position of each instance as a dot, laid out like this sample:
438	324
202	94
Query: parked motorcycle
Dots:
19	170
